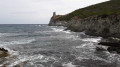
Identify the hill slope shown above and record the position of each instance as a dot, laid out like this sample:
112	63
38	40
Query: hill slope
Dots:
105	8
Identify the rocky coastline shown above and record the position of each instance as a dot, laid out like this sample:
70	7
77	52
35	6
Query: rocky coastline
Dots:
106	26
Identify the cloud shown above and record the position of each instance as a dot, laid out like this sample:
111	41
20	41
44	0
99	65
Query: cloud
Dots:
38	11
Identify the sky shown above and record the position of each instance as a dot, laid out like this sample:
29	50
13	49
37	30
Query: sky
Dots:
38	11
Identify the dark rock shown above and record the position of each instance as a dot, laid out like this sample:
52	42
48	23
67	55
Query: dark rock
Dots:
112	43
114	49
3	52
100	49
109	44
2	49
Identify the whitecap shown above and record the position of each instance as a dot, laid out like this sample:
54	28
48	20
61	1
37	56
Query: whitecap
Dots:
92	39
67	31
11	34
21	59
22	41
61	30
57	30
69	65
86	45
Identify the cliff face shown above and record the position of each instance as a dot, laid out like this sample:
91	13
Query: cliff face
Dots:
105	25
98	20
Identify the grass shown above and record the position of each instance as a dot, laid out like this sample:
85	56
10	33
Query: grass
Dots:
105	8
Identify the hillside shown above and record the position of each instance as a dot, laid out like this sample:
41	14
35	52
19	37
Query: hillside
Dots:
101	20
105	8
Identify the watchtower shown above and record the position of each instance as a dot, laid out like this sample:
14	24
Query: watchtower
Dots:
54	14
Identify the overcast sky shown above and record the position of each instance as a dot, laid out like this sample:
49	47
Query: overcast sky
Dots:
38	11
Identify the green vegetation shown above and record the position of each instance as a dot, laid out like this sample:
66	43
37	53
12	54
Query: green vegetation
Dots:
105	8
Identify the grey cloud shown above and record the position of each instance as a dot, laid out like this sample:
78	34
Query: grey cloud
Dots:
37	11
23	12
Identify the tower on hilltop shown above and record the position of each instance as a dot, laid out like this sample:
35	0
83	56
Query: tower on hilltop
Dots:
54	14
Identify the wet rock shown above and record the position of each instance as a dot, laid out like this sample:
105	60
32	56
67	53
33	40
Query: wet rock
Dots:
100	48
109	44
114	49
3	52
3	66
2	49
112	43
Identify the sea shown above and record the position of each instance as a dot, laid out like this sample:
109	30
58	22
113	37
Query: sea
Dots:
40	45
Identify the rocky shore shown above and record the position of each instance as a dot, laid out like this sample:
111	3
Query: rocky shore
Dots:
106	26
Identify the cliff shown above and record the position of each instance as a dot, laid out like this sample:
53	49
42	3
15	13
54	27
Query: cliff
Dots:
105	25
102	19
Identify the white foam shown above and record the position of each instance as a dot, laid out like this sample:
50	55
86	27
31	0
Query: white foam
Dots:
57	30
92	39
67	31
11	34
11	52
46	59
81	46
61	30
22	41
69	65
25	58
93	57
86	45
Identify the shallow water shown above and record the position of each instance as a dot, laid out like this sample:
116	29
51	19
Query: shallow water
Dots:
45	46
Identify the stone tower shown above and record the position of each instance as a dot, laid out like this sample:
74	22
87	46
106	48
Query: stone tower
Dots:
54	14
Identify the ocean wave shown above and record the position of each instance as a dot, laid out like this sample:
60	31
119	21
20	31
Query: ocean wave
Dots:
11	34
57	30
61	30
22	41
21	59
86	45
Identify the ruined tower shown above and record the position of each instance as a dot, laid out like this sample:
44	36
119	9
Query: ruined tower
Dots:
54	14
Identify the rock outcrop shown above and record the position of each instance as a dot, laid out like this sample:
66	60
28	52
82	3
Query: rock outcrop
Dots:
105	26
3	52
54	21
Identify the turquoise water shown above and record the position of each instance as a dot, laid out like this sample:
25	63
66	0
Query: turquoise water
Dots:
45	46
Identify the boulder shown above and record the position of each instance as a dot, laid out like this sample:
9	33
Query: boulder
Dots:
109	44
114	49
3	52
